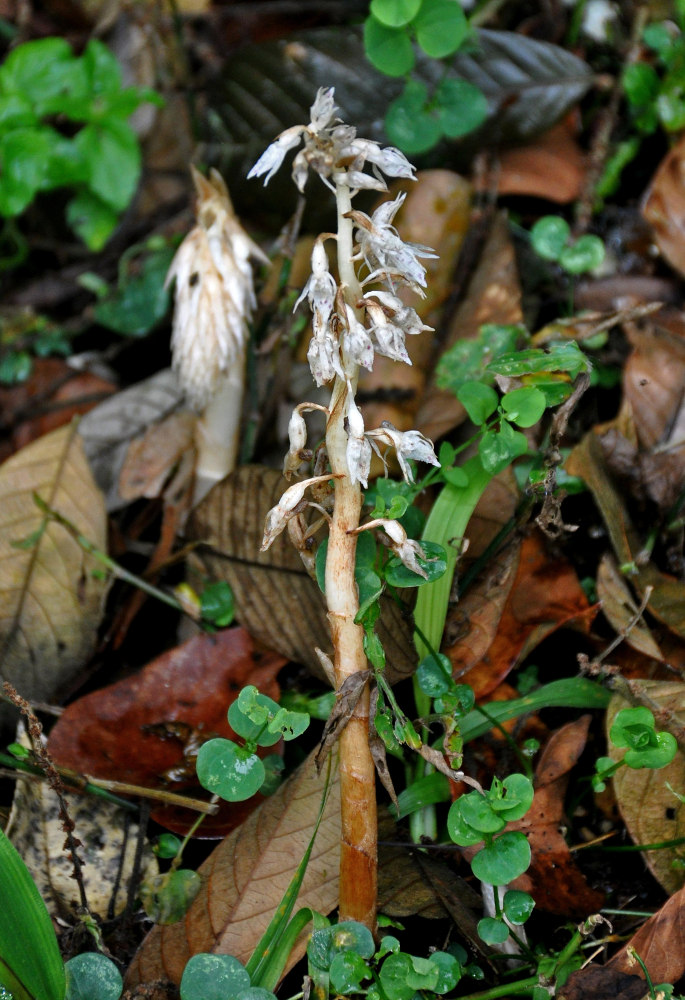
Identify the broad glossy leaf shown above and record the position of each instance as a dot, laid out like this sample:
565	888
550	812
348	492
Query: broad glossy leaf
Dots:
92	976
502	861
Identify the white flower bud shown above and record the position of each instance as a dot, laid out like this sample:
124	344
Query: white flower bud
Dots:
287	507
272	157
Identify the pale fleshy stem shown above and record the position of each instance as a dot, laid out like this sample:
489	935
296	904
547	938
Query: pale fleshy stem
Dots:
217	432
358	861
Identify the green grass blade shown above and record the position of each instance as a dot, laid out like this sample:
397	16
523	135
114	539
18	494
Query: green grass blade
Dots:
267	961
31	966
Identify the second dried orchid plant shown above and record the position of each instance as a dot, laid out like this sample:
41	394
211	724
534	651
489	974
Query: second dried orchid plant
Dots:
354	317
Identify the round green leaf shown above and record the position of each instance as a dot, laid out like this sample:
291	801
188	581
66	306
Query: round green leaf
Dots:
524	406
255	993
15	367
586	254
213	977
498	448
626	724
226	769
434	675
503	860
441	27
462	107
217	604
460	831
409	123
167	845
640	83
91	219
479	400
455	476
435	564
449	971
250	730
388	49
394	975
395	13
492	931
348	970
517	797
288	724
112	153
517	906
92	976
166	897
478	815
549	236
653	756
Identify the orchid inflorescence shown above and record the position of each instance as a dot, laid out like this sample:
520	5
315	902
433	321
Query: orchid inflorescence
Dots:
361	314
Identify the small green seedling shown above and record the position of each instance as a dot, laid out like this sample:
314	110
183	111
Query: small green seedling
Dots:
480	817
234	771
634	730
551	240
416	120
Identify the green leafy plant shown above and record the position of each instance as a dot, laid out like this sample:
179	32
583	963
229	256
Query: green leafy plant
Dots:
551	240
634	730
23	338
417	120
64	123
654	88
234	771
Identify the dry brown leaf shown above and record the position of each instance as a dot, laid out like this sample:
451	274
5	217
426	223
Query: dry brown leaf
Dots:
276	600
246	876
667	600
664	206
535	595
152	459
51	601
650	811
108	429
436	213
660	943
551	167
620	608
553	879
493	296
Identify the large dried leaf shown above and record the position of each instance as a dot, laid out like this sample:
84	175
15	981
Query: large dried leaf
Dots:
493	296
660	943
145	729
108	430
51	603
650	810
516	603
554	879
246	876
664	207
268	87
276	600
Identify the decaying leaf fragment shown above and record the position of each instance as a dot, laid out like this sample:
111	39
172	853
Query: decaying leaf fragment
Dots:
247	875
50	599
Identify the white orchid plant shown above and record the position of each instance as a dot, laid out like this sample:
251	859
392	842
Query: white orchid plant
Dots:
354	317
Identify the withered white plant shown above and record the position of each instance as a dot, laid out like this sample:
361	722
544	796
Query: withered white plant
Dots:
353	319
214	303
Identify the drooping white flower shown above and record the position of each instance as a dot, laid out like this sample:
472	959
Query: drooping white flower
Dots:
356	342
320	289
407	444
358	448
323	356
389	337
382	249
406	549
272	157
402	315
297	437
288	506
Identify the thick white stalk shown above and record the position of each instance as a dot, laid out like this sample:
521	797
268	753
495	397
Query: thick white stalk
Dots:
358	863
217	433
